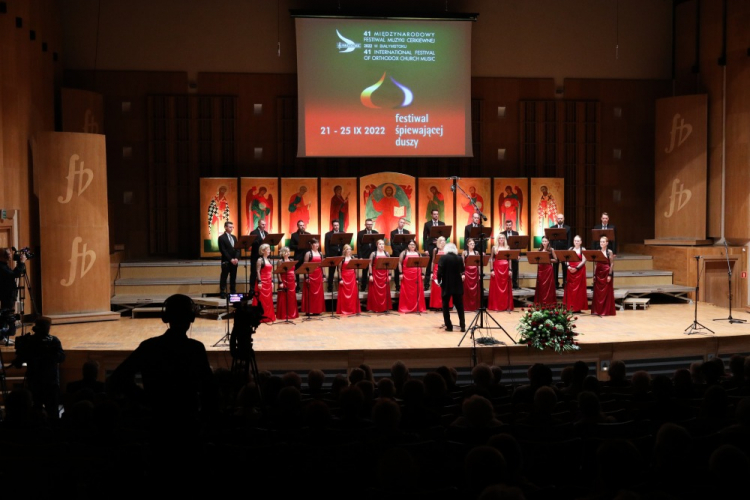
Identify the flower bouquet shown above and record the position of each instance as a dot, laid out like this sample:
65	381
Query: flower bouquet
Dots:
546	326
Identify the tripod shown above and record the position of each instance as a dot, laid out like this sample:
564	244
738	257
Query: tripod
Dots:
729	277
696	327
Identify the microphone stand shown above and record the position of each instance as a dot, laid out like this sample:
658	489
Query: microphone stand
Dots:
729	277
479	322
696	327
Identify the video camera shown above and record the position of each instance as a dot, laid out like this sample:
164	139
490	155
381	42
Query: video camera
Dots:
24	251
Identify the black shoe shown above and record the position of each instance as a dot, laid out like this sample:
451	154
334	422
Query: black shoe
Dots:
222	295
463	329
448	328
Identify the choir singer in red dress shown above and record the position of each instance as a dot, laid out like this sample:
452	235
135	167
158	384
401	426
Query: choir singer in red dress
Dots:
348	299
472	300
545	279
313	300
379	288
501	286
603	303
411	296
575	284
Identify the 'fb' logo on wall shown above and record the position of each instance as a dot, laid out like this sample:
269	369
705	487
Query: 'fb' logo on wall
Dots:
680	131
72	174
681	196
75	254
90	125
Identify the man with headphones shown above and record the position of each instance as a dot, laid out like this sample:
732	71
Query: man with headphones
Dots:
177	378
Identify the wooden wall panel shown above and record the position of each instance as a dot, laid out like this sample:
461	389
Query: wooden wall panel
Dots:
74	222
738	123
82	111
680	170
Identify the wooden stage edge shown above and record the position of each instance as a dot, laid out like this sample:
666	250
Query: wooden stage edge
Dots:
419	341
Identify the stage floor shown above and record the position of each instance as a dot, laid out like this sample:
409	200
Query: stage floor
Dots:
660	322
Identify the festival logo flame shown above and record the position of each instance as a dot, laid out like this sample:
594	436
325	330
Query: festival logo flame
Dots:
366	96
347	45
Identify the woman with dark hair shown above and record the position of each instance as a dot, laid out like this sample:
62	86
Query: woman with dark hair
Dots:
264	285
411	297
544	292
575	284
472	300
348	299
603	303
379	288
313	300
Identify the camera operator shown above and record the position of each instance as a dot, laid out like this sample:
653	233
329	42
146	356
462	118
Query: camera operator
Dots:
8	289
42	354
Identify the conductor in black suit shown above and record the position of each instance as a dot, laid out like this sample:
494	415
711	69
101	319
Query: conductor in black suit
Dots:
430	244
364	250
229	259
475	222
561	245
332	250
397	249
259	233
450	275
513	263
606	225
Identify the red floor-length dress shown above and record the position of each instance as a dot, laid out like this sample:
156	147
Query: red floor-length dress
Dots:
348	293
264	292
603	303
411	297
471	287
312	292
286	300
501	287
545	285
575	289
378	290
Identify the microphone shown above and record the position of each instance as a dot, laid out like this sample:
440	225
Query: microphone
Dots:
453	189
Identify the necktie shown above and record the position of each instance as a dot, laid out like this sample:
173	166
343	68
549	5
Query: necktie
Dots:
231	240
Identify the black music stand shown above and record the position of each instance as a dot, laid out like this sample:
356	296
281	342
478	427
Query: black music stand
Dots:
281	269
596	235
307	268
420	262
403	238
357	264
387	263
304	241
438	231
372	238
332	262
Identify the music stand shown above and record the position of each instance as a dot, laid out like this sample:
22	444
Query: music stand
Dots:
281	269
438	231
556	233
520	242
597	234
480	234
244	243
729	277
369	239
420	262
341	239
304	241
387	263
403	238
330	262
307	268
357	264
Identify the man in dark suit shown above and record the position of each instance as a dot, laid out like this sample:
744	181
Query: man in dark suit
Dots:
298	254
332	250
229	259
561	245
475	222
429	244
364	250
397	249
450	275
606	225
513	263
259	233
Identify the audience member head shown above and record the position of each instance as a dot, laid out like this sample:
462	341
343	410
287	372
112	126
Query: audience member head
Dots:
713	370
434	386
292	379
387	415
540	374
356	375
617	372
566	376
368	391
339	383
352	402
386	389
580	372
478	411
737	366
641	381
588	404
482	376
672	447
497	374
683	383
715	402
729	466
484	466
662	388
413	392
449	375
179	312
508	446
315	380
368	372
591	384
545	400
317	415
399	374
90	370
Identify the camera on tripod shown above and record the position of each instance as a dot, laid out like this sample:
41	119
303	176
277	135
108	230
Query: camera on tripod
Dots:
26	251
